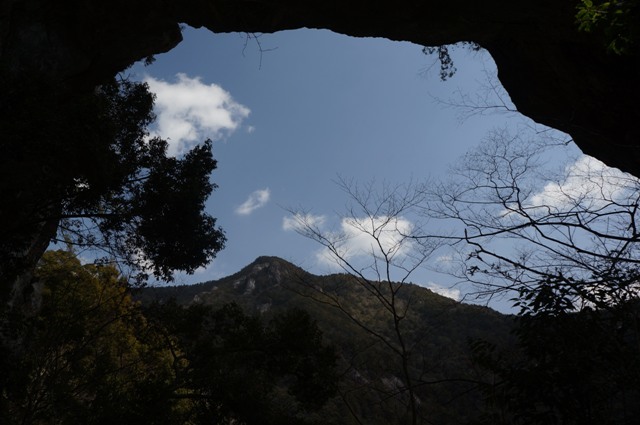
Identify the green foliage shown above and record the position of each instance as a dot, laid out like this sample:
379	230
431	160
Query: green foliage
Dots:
616	21
86	357
91	355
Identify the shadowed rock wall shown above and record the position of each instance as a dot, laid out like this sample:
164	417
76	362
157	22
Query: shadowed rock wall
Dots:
553	73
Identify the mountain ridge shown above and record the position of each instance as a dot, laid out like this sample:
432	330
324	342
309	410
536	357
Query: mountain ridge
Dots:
275	266
438	330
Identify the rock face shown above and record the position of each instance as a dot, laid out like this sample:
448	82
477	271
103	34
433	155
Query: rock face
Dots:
553	73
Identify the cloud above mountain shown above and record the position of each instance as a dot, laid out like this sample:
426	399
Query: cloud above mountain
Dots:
299	221
356	239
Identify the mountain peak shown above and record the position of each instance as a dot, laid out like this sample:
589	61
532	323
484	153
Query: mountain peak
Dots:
260	284
269	268
270	260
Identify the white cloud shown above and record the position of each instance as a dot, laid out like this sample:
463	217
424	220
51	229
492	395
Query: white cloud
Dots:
586	185
388	231
256	200
588	182
299	221
359	241
366	237
444	291
190	111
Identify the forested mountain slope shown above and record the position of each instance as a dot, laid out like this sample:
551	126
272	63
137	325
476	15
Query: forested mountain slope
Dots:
438	330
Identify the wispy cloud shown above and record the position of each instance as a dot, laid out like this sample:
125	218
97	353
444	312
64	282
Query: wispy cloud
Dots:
444	291
257	199
299	221
189	111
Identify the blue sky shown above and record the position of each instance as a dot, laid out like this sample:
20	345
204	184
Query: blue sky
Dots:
313	105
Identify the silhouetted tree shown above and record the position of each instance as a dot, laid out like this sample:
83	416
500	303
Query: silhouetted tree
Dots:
519	227
565	248
83	170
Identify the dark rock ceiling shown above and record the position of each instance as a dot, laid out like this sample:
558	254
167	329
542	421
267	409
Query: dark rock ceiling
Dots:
553	73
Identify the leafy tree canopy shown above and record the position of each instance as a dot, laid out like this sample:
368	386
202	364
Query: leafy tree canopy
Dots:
616	21
88	356
92	355
85	170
